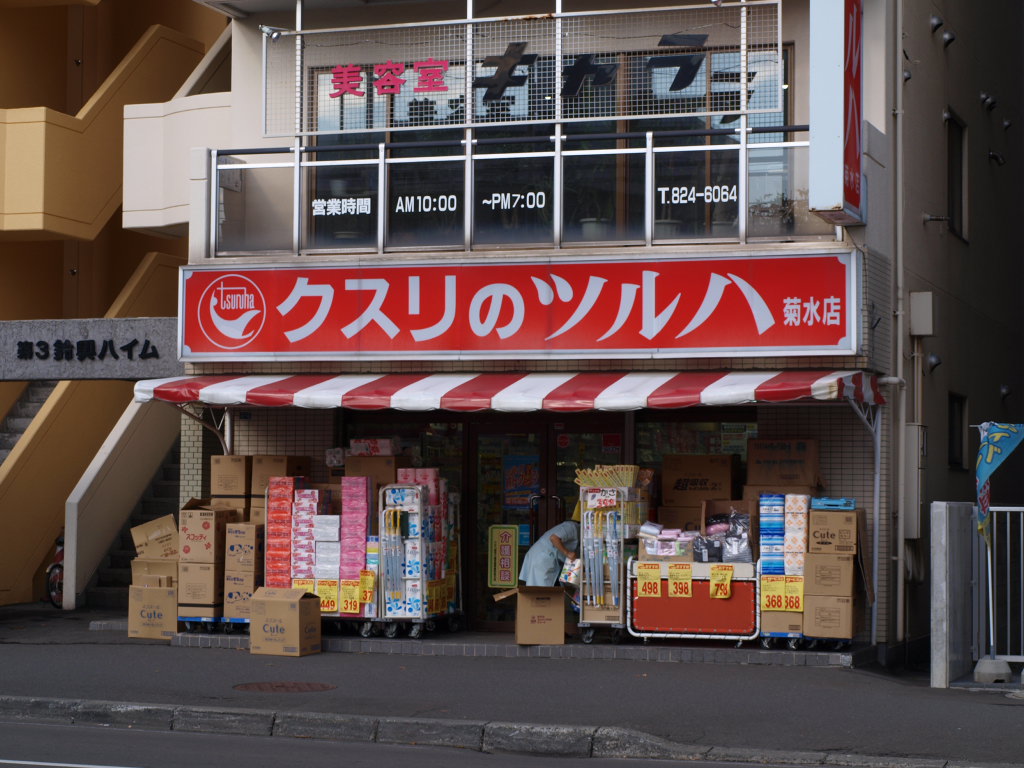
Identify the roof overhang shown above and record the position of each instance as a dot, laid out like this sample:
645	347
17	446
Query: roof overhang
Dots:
517	392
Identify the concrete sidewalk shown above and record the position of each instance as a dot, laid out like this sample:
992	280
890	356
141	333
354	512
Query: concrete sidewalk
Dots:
55	668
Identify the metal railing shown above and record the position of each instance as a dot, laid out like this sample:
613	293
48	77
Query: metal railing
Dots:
642	188
1002	587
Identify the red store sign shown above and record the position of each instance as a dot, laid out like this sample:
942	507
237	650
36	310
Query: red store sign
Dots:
718	307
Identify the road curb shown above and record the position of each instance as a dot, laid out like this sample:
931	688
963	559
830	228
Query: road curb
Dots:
480	736
539	739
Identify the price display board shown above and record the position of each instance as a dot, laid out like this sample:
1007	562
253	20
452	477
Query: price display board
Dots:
367	580
773	592
680	580
349	598
327	591
648	579
721	581
794	594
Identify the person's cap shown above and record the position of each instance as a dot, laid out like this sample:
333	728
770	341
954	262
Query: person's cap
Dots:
576	512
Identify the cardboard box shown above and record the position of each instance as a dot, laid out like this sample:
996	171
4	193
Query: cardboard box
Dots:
201	532
684	518
685	556
380	469
152	612
230	476
243	547
157	539
143	568
829	574
200	583
788	461
827	616
753	492
258	511
540	614
149	580
782	623
832	530
239	587
284	622
689	479
266	467
724	507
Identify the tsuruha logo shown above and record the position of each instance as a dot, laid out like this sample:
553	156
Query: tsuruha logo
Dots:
232	312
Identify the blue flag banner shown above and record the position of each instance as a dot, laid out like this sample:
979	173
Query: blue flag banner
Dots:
997	442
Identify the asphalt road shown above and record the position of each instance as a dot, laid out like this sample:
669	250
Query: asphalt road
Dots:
56	746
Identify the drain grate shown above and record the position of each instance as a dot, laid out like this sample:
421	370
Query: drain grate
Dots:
284	687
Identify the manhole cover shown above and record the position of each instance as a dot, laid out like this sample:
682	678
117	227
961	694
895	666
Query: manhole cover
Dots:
284	687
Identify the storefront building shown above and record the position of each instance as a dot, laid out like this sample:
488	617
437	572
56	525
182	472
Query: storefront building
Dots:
542	239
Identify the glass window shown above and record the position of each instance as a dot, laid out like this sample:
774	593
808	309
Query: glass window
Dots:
696	195
425	204
513	201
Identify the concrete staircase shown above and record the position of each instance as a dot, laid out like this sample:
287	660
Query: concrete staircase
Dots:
109	587
20	416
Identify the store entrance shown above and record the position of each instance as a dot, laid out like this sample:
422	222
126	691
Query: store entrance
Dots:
522	472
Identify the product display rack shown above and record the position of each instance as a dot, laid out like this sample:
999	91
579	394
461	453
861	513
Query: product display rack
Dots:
700	616
608	518
414	584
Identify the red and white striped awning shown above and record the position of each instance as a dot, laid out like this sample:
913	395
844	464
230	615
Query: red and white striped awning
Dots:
516	392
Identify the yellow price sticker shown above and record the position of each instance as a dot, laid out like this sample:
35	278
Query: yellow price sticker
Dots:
327	591
794	595
680	580
349	602
721	581
648	580
773	593
366	582
307	584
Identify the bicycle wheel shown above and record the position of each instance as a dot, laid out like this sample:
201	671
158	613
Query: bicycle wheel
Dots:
55	585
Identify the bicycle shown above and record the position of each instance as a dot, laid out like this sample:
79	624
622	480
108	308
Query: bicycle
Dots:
55	576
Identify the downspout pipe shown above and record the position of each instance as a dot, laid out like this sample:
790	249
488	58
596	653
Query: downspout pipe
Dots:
899	427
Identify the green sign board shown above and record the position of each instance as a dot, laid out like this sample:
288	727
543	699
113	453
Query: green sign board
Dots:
503	556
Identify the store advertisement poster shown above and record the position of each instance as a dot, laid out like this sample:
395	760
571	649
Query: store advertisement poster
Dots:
722	306
520	480
502	556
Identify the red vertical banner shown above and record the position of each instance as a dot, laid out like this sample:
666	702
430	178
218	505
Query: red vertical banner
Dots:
852	107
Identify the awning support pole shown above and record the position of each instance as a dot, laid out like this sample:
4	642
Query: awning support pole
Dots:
220	437
871	416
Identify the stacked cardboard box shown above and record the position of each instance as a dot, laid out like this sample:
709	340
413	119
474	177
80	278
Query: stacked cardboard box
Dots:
829	592
153	596
788	466
230	478
201	558
243	567
689	480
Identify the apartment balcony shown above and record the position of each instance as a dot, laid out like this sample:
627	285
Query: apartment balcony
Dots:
60	174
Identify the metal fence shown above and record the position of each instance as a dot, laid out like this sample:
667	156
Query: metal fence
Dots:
1000	584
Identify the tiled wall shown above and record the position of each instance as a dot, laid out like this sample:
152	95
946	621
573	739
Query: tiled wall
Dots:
847	470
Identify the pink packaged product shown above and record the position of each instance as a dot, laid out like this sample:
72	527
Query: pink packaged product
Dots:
302	572
306	507
375	446
312	494
406	475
